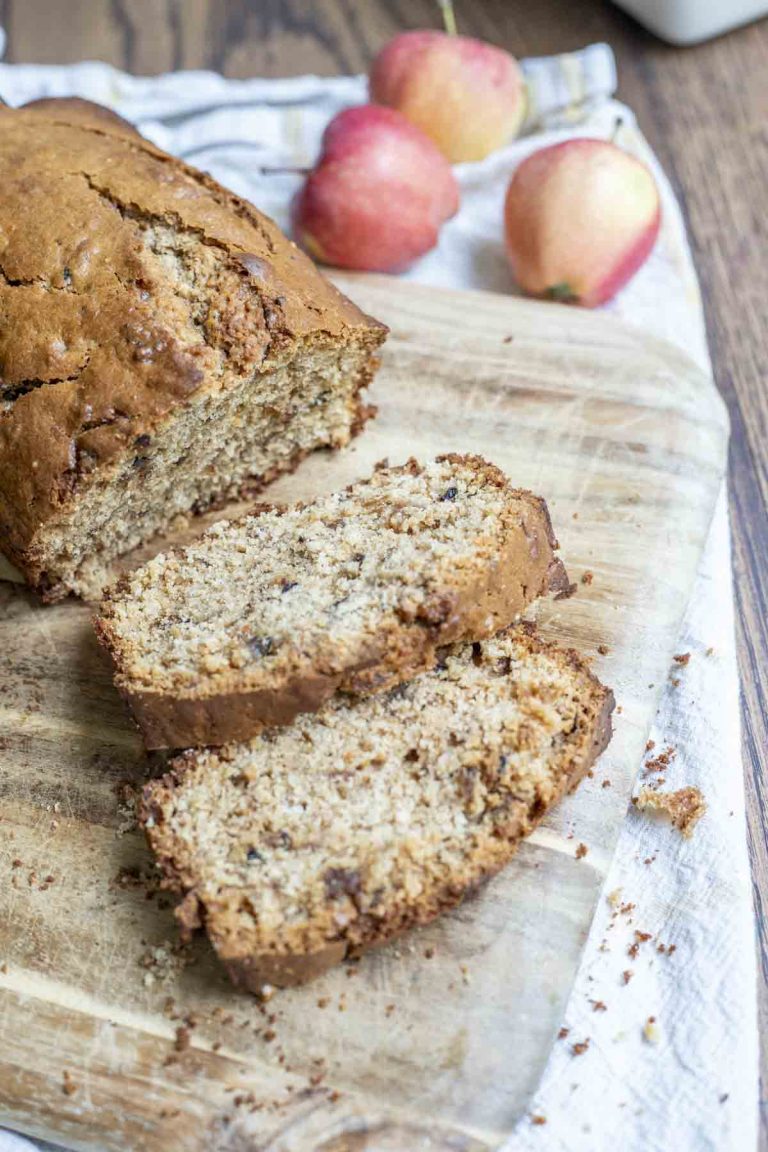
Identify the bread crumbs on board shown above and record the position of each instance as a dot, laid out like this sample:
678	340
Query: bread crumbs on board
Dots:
581	851
127	800
580	1048
183	1038
163	961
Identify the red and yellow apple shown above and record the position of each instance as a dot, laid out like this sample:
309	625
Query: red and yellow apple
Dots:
468	96
580	218
378	196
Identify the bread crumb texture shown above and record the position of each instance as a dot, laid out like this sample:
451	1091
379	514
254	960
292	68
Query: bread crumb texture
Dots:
685	807
355	591
338	832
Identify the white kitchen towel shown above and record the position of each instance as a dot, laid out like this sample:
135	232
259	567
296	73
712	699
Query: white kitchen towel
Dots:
666	1057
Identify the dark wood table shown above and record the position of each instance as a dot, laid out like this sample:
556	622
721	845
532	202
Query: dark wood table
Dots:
704	110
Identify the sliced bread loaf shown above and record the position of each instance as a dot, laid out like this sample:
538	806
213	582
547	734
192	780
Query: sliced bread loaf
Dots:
266	617
315	841
161	344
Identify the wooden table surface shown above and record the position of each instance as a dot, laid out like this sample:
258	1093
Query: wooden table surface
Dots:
703	109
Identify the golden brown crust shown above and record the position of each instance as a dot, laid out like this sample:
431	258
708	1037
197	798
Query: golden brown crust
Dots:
485	599
90	359
76	110
252	973
175	722
324	942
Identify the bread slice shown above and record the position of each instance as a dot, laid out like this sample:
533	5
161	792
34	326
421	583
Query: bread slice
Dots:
266	617
316	841
162	344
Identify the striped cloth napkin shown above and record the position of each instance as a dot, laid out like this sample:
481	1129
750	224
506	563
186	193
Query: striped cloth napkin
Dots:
688	1079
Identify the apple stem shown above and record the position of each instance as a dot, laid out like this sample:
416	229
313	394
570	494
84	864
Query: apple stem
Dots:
616	129
562	292
449	17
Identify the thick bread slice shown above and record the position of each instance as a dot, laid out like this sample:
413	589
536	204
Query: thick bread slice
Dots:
266	617
312	842
162	345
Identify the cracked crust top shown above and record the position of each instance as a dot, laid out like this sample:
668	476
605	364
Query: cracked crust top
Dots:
98	342
337	833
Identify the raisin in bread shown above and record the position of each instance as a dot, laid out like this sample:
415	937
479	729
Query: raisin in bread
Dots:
316	841
266	617
161	342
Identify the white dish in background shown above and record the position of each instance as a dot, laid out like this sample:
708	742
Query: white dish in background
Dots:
691	21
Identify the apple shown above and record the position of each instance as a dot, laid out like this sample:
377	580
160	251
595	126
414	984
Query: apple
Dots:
468	96
580	218
378	196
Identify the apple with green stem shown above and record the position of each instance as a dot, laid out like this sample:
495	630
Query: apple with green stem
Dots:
580	219
466	95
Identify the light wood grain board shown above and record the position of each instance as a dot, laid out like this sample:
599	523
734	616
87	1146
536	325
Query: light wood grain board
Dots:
626	440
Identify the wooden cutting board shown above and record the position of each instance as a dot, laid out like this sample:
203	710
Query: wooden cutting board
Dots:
438	1041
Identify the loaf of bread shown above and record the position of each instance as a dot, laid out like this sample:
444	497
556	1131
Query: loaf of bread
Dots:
161	343
316	841
266	617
